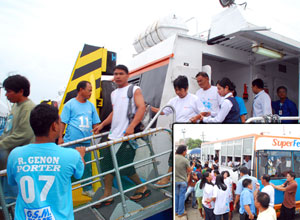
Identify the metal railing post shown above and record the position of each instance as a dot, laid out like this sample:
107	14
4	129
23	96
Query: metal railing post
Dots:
3	204
118	176
95	152
155	168
149	126
158	114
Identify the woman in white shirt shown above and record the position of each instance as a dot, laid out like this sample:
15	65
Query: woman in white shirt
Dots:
207	200
221	198
228	181
229	110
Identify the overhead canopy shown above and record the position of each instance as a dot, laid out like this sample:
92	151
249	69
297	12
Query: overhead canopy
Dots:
234	29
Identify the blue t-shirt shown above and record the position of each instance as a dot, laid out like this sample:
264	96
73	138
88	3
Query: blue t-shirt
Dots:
243	110
43	175
80	118
247	198
240	101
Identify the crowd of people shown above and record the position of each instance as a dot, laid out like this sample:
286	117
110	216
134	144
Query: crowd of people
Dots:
39	171
79	119
216	196
220	103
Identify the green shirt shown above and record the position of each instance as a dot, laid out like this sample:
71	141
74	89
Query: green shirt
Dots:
17	131
181	165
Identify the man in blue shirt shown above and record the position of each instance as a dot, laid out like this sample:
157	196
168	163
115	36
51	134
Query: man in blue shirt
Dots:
81	117
244	173
43	170
284	106
247	208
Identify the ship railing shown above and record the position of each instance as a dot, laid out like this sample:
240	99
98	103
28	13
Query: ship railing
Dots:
94	148
271	119
158	114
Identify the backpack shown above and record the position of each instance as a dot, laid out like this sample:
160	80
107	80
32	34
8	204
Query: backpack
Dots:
146	118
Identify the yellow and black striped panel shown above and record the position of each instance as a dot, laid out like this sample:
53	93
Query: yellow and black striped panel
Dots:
91	61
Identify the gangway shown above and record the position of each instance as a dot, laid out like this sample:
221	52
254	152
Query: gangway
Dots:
124	208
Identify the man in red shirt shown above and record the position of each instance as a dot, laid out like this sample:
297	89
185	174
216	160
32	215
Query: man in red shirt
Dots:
289	188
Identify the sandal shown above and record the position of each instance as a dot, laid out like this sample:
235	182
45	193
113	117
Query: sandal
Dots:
102	204
143	195
162	185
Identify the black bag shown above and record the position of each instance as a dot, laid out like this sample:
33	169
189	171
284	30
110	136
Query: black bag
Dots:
142	125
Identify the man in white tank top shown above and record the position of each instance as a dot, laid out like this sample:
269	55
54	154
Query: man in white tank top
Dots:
120	127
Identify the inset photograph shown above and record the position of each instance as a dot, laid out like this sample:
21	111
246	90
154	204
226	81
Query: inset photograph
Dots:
236	171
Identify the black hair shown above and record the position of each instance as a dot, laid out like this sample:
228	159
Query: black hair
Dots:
206	165
82	85
181	82
264	199
203	74
246	182
281	87
292	174
209	169
16	83
226	82
215	167
258	83
198	166
180	149
216	158
41	118
244	170
217	172
234	93
121	67
225	171
204	180
266	177
220	182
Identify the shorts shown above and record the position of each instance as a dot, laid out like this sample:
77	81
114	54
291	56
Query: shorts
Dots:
231	206
199	200
125	155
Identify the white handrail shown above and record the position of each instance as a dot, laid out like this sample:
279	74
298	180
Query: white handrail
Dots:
262	118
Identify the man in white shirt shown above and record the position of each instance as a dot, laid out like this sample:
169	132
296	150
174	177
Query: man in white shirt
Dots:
207	94
186	105
265	180
120	127
266	212
262	101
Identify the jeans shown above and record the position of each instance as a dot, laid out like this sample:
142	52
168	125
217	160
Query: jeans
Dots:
209	213
190	190
180	190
